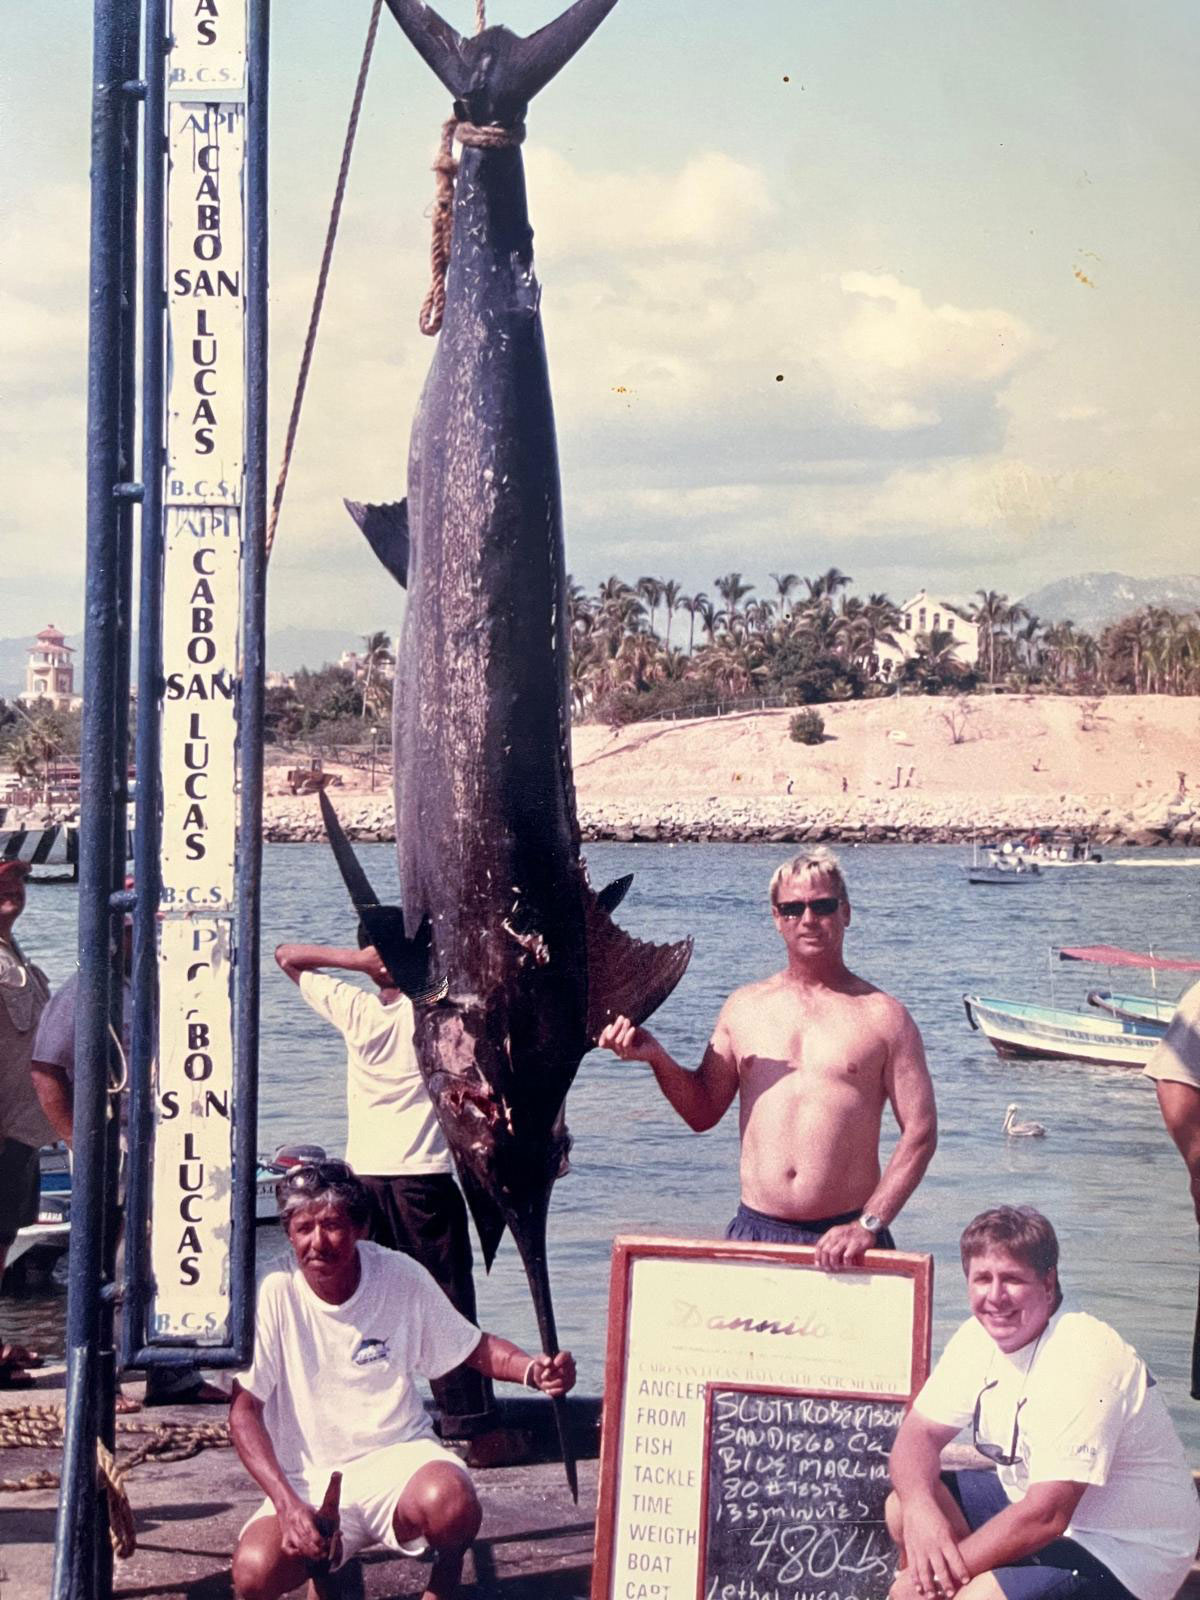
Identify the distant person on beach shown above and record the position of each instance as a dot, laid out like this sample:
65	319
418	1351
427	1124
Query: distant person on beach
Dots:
338	1339
816	1053
1092	1495
23	1126
395	1146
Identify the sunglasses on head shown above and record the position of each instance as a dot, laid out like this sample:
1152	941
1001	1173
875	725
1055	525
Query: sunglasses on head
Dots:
312	1177
995	1452
824	906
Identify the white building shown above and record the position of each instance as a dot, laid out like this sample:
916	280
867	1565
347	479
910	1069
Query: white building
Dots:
50	672
925	613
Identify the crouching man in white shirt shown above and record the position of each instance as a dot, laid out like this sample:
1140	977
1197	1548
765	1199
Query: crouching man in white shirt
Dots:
337	1344
1091	1495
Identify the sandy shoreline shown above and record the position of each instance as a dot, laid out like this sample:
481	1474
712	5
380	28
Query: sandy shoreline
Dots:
887	770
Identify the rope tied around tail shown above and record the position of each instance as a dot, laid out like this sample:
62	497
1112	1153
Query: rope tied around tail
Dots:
491	136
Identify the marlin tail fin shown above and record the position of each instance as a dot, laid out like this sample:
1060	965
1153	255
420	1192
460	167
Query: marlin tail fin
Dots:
525	65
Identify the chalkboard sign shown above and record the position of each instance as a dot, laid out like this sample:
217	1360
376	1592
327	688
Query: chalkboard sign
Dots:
687	1314
793	1495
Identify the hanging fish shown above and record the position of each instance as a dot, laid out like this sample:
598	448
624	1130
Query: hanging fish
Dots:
516	956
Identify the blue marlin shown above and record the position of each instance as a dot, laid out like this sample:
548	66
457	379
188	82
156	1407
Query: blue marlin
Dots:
516	956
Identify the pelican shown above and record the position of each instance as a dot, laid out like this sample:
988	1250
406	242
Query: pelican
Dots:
1015	1129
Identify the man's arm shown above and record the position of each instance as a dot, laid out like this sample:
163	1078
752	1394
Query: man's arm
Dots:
1180	1107
294	959
297	1521
701	1097
499	1358
910	1091
55	1096
930	1549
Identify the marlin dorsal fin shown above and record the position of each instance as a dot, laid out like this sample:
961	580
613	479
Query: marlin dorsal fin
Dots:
386	528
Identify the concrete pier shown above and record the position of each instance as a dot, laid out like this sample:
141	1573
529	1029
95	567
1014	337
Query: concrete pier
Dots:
536	1543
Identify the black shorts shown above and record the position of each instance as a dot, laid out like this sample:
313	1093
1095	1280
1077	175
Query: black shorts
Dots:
758	1227
1060	1570
20	1179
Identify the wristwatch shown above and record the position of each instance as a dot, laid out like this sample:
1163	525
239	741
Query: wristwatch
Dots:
871	1222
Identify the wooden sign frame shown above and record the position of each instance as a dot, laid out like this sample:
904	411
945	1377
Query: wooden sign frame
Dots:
770	1389
629	1253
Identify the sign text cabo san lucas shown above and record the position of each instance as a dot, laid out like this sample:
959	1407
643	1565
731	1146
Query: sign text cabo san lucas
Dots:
202	580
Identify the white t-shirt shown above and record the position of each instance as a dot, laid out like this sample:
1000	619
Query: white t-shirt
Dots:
1089	1413
1177	1058
393	1129
336	1382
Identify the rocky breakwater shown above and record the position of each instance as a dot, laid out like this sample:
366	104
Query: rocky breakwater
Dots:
901	817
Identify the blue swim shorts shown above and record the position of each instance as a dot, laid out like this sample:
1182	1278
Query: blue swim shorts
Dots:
1061	1570
758	1228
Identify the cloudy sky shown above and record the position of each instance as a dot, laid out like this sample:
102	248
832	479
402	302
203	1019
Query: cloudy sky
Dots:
897	285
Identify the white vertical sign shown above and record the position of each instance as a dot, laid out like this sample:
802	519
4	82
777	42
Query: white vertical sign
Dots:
206	304
189	1242
203	493
201	613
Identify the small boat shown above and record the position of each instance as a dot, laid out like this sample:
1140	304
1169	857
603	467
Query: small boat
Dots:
1017	1028
1001	866
1133	1007
272	1168
37	1247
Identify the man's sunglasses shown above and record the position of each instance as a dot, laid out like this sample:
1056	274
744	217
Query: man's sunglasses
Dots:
995	1452
824	906
312	1177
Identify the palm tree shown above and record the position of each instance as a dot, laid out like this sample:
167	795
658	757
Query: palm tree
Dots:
692	604
377	654
672	599
990	614
732	589
785	582
651	591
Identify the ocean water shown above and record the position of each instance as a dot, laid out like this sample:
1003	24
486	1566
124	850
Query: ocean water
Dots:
1106	1174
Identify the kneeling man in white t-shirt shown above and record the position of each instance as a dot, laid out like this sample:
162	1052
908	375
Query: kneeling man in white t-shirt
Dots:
338	1343
1091	1495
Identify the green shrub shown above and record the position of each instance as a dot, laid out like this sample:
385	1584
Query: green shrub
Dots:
807	727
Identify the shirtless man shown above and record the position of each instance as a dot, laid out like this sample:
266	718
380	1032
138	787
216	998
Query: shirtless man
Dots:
815	1052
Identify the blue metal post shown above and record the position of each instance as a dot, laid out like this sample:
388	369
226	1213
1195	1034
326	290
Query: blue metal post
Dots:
79	1568
250	728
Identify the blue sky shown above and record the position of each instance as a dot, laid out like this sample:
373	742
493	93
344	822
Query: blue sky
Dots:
896	285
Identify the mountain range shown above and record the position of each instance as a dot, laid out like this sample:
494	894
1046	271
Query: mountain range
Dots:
1094	599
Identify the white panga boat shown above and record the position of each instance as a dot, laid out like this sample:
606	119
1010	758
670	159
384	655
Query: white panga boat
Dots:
1000	866
1017	1028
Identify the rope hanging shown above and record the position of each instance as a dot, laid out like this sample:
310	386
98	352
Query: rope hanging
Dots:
489	137
323	275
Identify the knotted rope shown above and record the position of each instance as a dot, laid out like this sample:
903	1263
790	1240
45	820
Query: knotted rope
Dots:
491	136
41	1427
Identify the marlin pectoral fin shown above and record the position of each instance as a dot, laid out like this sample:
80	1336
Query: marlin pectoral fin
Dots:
386	528
613	893
627	977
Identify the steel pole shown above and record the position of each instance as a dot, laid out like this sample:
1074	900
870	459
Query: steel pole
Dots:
80	1573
